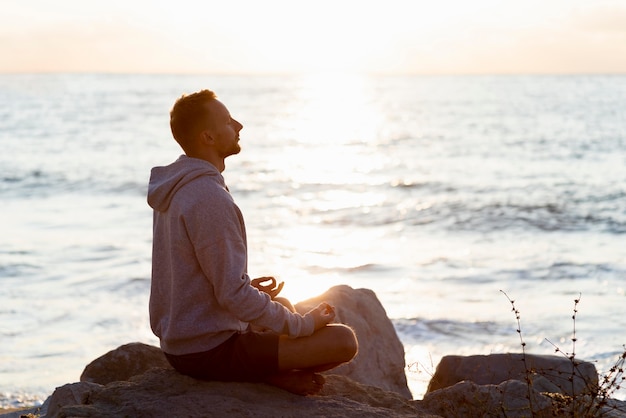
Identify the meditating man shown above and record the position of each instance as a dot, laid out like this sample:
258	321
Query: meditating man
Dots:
213	321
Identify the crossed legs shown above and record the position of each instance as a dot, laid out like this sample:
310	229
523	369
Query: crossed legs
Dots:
301	359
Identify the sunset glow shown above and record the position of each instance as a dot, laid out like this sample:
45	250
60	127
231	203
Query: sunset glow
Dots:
279	36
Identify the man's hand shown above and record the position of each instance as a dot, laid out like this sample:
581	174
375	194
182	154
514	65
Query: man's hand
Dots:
323	314
271	289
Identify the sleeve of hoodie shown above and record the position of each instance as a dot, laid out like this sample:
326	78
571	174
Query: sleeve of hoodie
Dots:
217	230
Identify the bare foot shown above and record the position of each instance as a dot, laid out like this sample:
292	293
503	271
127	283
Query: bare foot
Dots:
300	382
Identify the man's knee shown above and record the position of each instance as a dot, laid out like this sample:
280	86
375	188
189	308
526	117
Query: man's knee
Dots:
285	302
344	340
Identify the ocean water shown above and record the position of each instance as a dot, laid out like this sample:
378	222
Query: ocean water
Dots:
442	194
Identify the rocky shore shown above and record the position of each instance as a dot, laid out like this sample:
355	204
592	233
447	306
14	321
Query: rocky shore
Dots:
135	380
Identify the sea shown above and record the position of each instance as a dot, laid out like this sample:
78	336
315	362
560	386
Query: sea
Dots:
456	199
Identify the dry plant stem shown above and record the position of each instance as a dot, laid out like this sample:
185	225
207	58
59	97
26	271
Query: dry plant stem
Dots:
572	355
590	403
576	403
523	344
418	367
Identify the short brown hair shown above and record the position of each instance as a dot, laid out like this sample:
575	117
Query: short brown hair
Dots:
188	115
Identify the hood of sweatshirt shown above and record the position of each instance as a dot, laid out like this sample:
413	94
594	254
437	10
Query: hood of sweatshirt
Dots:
166	181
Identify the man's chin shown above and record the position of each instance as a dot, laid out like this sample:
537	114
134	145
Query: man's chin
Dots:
235	151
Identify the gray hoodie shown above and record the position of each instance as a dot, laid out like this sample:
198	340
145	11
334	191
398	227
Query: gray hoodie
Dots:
201	293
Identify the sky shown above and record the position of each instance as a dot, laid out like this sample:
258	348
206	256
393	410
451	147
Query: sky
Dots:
293	36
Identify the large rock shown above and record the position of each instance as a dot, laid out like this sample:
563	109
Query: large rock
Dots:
135	380
166	393
123	363
508	399
549	373
380	360
498	385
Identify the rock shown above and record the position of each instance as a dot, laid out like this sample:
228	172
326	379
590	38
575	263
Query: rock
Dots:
468	399
495	385
550	372
380	361
166	393
135	380
70	394
123	363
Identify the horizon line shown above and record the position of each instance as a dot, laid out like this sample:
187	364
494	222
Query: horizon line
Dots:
312	73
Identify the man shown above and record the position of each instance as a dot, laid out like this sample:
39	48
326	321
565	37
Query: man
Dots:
204	308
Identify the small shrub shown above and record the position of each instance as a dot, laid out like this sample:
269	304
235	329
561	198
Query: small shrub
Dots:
593	402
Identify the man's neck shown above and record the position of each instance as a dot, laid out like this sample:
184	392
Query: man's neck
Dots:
215	161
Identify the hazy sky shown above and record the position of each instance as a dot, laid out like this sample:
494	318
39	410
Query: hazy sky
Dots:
280	36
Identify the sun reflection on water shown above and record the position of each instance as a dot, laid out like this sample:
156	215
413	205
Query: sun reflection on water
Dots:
330	135
335	110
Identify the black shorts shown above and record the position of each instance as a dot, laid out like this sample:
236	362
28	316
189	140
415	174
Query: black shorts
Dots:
244	357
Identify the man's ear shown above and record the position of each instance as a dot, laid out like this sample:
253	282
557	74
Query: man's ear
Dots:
206	137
